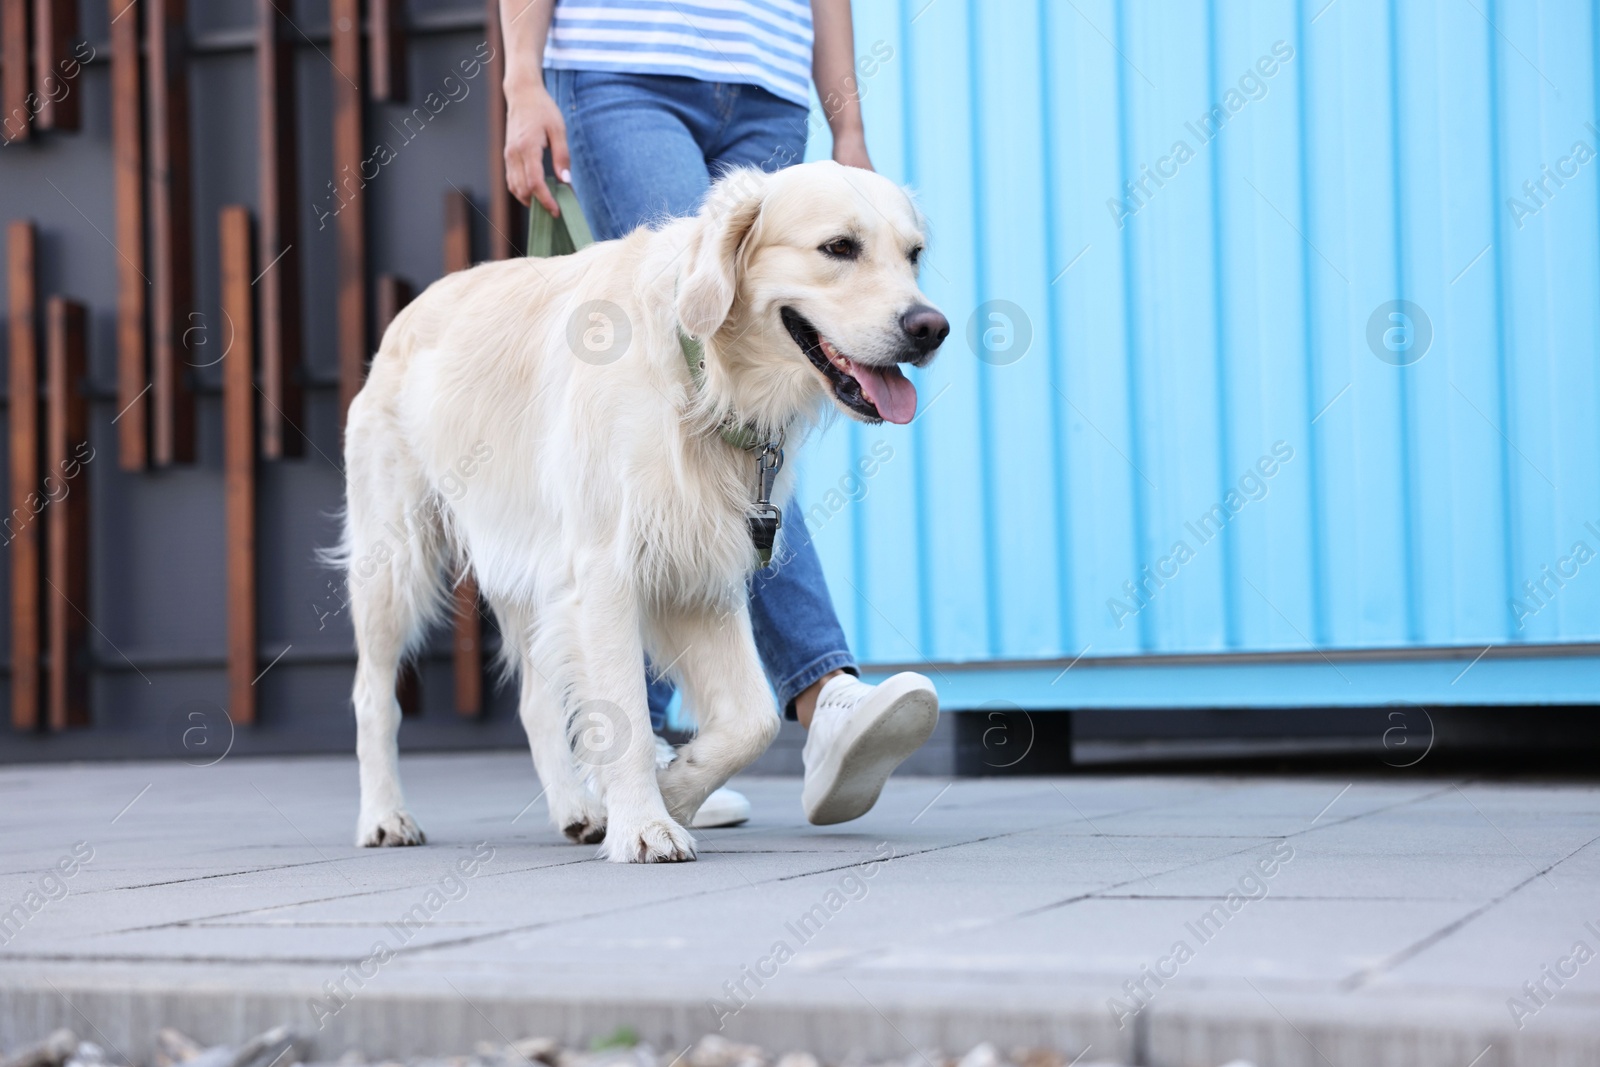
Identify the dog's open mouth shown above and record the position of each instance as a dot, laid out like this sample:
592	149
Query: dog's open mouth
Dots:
875	393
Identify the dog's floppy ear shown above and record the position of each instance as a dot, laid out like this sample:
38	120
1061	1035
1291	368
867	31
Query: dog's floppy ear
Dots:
707	285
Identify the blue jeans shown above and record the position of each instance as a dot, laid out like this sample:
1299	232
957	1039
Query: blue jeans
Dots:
645	147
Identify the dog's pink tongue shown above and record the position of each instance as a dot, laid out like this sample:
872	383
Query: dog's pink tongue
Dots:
890	392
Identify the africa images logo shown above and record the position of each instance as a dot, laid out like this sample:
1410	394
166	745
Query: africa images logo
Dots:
1399	332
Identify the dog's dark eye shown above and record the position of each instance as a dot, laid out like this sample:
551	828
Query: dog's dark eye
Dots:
842	248
915	255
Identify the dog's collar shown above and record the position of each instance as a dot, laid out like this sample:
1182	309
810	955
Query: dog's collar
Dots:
763	518
741	435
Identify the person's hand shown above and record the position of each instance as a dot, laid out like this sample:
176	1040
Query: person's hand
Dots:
850	149
533	121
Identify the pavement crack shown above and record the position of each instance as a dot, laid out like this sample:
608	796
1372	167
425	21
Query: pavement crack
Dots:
210	877
1376	811
968	925
711	891
202	920
1367	974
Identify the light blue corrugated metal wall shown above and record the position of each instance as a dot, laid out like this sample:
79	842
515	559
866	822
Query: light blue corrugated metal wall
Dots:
1228	313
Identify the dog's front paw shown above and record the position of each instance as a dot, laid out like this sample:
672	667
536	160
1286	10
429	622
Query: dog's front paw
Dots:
391	829
657	841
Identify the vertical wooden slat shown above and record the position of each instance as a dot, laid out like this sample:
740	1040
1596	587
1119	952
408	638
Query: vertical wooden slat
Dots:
394	293
278	260
457	231
67	516
171	254
238	461
55	24
468	654
468	624
16	124
127	149
386	49
408	690
349	225
502	205
21	528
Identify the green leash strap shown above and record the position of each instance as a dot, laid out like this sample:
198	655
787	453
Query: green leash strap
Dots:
551	236
740	435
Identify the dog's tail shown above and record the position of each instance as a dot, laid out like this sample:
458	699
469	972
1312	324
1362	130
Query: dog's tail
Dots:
337	555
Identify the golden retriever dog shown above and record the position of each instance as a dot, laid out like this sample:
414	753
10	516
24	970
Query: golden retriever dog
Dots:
599	496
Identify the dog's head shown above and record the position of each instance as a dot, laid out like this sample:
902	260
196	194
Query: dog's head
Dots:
805	284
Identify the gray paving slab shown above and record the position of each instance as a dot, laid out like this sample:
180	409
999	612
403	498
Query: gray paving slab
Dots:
1385	920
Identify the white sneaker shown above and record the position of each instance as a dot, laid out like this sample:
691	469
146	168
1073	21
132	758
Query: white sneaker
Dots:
859	734
724	807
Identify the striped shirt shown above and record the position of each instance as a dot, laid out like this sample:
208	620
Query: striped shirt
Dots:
752	42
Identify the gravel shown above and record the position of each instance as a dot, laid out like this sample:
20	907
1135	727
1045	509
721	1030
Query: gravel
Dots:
281	1047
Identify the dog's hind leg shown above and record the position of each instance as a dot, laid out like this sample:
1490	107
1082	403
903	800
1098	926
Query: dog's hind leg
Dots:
609	722
396	547
574	809
716	664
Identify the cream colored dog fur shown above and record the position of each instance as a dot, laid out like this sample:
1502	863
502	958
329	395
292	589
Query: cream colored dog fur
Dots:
590	491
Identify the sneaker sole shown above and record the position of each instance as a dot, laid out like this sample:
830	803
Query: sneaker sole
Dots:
718	820
850	785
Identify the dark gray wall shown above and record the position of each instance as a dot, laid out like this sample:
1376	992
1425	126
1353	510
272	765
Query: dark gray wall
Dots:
157	591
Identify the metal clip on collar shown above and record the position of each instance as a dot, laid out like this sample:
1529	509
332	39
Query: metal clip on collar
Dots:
764	518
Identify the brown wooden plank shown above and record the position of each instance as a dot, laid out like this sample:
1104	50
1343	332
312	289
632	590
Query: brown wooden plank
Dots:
67	516
386	50
350	223
468	643
394	293
408	690
16	80
238	460
468	655
504	211
21	526
127	150
278	260
55	25
171	251
457	231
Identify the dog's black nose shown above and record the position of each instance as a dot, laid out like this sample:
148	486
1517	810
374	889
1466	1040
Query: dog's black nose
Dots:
925	327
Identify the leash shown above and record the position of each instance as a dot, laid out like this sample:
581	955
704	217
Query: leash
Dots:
549	236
